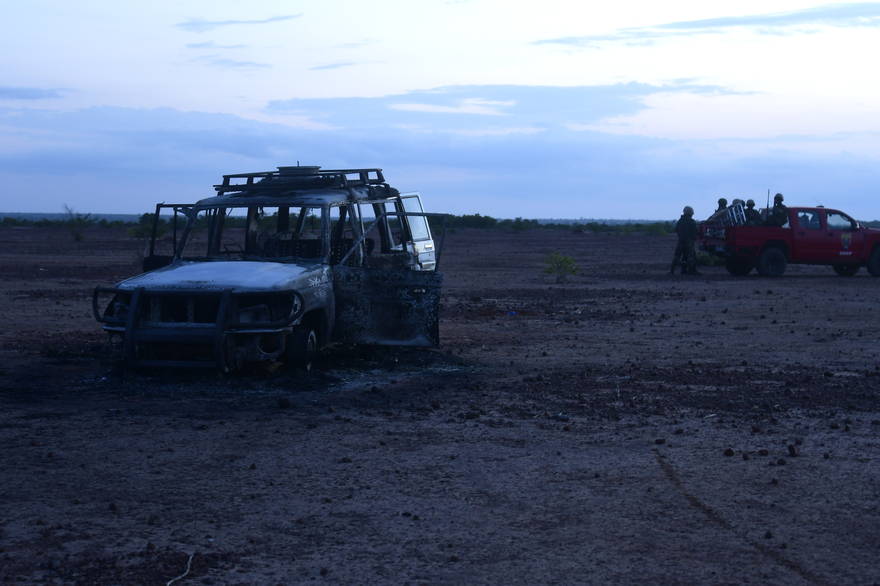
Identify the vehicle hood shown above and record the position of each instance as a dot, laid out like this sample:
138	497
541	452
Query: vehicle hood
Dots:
240	276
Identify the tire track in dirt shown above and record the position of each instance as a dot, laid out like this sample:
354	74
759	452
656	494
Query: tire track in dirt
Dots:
720	521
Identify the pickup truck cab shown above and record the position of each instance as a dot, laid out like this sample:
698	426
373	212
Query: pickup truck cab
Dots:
814	235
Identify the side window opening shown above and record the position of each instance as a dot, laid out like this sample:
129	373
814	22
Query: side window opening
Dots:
837	221
809	220
418	225
343	236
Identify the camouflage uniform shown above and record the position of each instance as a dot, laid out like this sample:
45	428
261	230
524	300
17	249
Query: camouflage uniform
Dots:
753	216
687	230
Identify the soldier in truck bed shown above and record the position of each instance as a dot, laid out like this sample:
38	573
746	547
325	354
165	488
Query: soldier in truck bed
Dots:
779	214
753	216
687	230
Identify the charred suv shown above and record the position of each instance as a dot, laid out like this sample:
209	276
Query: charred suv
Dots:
277	265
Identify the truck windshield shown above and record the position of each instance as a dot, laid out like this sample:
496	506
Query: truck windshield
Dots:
279	234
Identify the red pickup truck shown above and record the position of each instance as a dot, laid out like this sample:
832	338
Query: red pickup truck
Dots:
816	236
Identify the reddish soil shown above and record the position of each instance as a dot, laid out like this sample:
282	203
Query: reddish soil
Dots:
563	433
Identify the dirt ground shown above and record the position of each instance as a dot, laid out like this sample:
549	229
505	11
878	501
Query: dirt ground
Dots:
625	427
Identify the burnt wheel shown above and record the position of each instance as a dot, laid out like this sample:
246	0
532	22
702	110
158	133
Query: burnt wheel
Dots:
772	262
846	270
302	350
874	263
739	267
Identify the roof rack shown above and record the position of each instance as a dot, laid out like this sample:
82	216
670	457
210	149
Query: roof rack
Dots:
299	178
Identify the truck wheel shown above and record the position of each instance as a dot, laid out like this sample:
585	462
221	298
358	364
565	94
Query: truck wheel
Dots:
846	270
874	263
302	349
739	267
772	262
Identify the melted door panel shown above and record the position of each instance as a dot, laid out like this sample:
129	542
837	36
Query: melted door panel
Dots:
387	306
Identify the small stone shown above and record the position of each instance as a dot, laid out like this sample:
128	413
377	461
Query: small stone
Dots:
781	462
113	507
453	558
543	353
405	514
798	442
151	546
835	425
312	425
756	429
253	466
435	405
284	403
846	428
345	460
152	520
702	298
745	363
828	373
848	421
660	441
324	571
792	451
729	452
768	535
566	428
679	431
471	415
774	421
745	455
826	455
774	481
35	443
330	409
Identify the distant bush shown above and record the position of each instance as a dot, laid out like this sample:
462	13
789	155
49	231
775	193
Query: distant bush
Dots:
707	260
655	229
560	265
77	223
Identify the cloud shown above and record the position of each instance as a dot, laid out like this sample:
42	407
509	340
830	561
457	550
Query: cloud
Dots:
864	14
29	93
88	157
356	45
222	62
472	109
331	66
211	45
198	25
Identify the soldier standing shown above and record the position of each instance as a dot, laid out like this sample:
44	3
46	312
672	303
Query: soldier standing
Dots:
722	205
686	228
779	214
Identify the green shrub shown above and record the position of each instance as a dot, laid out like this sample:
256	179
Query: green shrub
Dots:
560	265
77	223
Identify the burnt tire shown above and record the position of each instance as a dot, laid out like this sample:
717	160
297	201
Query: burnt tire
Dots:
874	263
739	267
302	350
772	263
846	270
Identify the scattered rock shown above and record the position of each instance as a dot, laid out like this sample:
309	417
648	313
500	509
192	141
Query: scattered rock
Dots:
764	452
151	546
113	507
331	410
453	558
745	455
768	535
435	405
835	425
253	467
774	481
848	421
312	425
679	431
659	441
284	403
324	571
792	451
471	415
729	452
781	462
826	455
345	460
756	429
828	373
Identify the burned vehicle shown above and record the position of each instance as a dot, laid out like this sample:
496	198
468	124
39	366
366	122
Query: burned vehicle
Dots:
274	267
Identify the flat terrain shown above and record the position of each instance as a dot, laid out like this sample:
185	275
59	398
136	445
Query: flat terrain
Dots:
564	433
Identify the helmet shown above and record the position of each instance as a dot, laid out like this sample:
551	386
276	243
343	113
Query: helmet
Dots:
737	201
688	211
722	202
778	197
750	203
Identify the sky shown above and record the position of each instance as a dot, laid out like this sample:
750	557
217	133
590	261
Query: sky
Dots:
560	109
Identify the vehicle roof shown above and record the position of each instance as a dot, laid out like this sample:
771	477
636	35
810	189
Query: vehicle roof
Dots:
301	186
